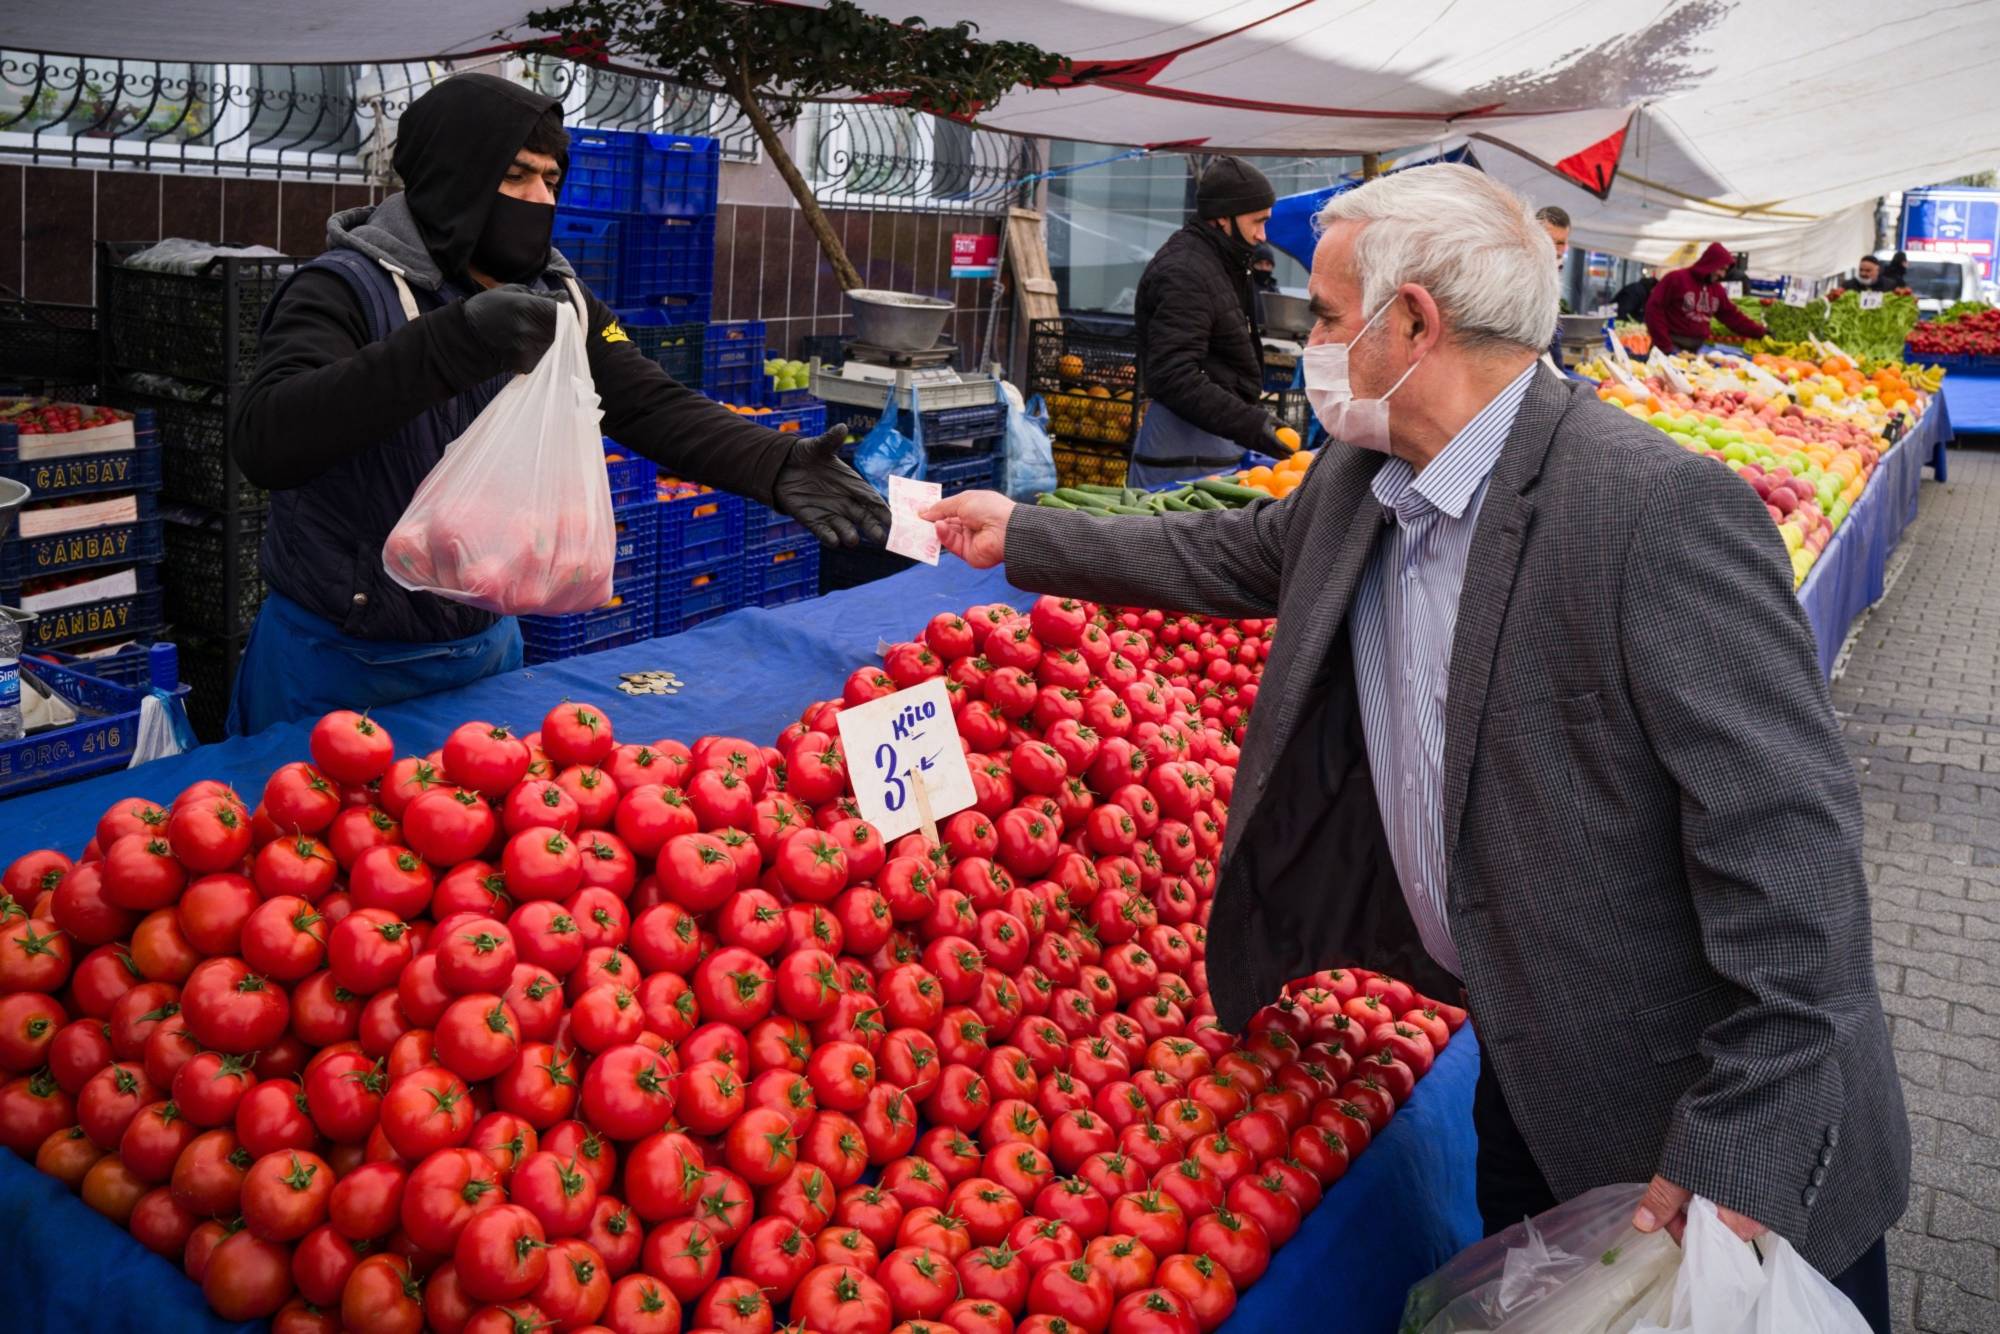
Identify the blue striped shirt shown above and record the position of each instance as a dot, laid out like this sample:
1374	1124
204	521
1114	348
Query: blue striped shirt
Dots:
1404	614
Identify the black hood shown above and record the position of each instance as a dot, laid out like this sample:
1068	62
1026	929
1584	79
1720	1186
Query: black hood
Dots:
453	147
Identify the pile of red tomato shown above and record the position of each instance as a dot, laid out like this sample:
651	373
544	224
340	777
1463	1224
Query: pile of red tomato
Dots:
553	1032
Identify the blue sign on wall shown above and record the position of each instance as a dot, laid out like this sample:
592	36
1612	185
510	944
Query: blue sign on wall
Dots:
1953	222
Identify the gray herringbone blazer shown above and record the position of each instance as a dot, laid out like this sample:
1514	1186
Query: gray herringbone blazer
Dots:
1653	832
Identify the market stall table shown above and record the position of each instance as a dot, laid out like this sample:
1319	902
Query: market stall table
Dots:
1849	576
1405	1207
1973	394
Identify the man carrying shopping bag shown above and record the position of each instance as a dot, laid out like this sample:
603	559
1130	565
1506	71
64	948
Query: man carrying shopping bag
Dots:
378	354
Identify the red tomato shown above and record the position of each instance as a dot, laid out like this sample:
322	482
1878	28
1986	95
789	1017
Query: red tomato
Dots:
478	1036
247	1277
501	1254
625	1092
426	1110
285	1195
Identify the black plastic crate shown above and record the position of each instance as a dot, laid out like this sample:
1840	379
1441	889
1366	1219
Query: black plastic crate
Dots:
677	347
1087	371
831	349
844	567
200	326
967	430
45	344
211	574
972	473
196	467
208	666
1291	408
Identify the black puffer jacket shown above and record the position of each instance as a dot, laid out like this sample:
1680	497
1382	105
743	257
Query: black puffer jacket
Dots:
1198	353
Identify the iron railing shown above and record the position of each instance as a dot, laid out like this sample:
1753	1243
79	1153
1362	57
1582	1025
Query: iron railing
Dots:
337	122
312	121
888	158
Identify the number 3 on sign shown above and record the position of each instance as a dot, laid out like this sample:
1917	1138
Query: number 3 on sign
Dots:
894	793
909	738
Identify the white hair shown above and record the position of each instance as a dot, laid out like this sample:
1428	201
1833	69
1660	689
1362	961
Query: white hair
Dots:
1465	238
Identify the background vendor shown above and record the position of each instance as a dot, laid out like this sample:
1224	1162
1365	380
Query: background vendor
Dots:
1199	352
378	354
1679	311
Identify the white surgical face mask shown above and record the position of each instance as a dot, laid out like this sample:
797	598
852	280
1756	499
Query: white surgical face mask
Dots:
1361	422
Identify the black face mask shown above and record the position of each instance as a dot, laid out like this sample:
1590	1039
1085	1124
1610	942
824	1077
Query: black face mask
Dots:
515	245
1239	250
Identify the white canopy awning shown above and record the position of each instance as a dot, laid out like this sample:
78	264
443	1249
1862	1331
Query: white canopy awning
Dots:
1759	124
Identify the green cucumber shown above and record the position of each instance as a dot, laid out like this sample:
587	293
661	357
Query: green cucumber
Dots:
1230	491
1131	509
1078	496
1053	501
1175	505
1098	488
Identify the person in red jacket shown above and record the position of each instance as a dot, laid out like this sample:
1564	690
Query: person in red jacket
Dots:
1681	306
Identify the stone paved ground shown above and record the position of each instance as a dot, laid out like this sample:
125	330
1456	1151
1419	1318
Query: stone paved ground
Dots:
1920	702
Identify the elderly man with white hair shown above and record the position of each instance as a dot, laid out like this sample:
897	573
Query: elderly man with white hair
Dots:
1543	721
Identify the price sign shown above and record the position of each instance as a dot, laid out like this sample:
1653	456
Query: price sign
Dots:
1870	300
1734	291
1796	296
1605	310
905	760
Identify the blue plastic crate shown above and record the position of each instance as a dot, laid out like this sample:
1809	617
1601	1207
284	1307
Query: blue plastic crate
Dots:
547	638
106	544
100	740
974	473
637	555
674	309
678	175
664	257
134	616
807	420
764	526
633	479
592	245
735	343
965	430
135	469
775	573
136	666
700	529
790	398
690	596
733	384
603	171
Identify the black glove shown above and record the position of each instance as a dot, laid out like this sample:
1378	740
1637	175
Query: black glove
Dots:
516	325
819	490
1271	444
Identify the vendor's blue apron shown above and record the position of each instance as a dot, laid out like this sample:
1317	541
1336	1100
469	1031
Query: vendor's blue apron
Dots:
1170	449
298	665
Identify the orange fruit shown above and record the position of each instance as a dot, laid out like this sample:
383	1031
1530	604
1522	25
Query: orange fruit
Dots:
1288	437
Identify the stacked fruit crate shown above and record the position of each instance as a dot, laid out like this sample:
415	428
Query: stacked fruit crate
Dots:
1087	371
182	345
84	552
637	222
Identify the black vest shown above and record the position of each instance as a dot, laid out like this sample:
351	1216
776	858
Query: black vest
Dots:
323	544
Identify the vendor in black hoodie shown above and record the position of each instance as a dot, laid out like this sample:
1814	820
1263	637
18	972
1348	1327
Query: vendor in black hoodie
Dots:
378	354
1200	356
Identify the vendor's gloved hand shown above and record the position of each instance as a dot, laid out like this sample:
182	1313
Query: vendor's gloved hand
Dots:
516	325
819	490
1275	445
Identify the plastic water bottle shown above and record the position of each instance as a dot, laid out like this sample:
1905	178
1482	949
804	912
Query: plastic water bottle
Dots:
11	726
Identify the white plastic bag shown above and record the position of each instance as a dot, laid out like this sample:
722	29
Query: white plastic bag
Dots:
1581	1268
1723	1289
516	518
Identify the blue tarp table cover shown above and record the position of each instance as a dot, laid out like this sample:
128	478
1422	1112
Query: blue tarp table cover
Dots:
1848	577
1404	1208
1974	396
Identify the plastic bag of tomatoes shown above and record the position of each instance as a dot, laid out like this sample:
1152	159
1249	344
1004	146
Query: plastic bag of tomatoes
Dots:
516	518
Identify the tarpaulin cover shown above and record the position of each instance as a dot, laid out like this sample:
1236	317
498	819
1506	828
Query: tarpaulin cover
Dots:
1848	578
1405	1207
1974	398
1765	126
